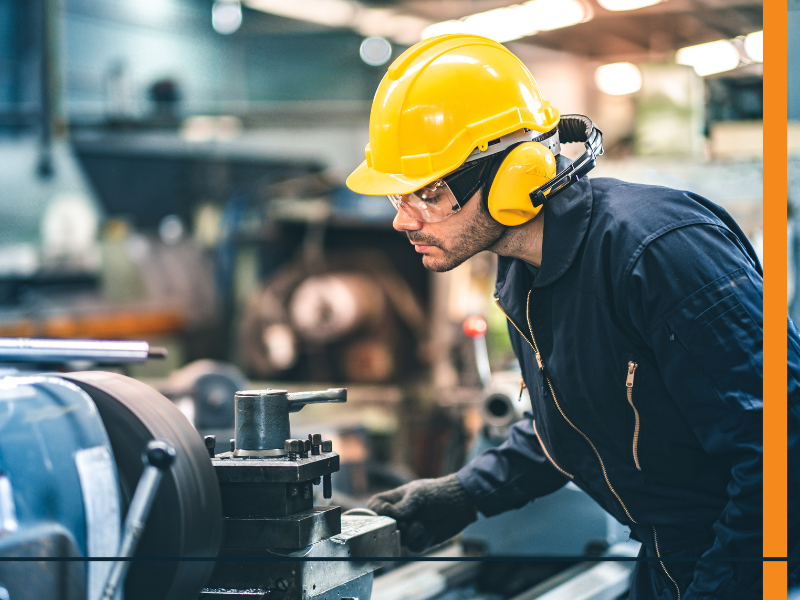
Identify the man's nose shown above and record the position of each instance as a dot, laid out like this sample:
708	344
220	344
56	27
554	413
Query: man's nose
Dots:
403	222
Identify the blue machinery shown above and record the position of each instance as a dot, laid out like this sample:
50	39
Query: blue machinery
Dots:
80	452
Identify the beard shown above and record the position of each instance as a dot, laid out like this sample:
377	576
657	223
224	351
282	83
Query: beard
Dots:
479	234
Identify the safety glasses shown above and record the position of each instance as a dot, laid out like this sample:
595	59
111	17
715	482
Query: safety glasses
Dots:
444	197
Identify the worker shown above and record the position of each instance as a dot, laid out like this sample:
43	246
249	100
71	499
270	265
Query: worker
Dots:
635	312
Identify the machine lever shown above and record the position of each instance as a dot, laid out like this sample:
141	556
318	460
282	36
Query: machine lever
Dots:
158	456
298	400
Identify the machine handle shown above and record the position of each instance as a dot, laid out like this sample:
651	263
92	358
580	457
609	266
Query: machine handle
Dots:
157	457
298	400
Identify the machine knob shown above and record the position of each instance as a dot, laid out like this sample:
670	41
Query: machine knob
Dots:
159	454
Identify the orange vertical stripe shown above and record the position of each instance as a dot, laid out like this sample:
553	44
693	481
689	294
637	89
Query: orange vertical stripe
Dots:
775	305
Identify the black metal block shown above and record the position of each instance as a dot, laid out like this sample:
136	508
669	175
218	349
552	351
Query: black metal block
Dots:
273	470
290	532
252	499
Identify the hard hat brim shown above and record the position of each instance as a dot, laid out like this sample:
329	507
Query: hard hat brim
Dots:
366	180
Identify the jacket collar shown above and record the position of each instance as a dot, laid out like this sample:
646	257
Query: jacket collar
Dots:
566	220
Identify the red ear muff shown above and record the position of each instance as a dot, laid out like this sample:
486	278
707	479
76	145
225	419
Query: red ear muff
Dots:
524	169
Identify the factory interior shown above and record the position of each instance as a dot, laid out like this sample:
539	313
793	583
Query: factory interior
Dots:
172	192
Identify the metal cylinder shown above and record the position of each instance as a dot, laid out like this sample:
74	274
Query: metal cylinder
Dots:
262	422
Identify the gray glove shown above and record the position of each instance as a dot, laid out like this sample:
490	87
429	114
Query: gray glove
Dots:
427	511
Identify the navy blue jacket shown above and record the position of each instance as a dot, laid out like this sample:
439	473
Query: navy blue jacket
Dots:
640	341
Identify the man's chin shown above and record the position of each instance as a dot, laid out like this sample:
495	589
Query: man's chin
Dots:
440	264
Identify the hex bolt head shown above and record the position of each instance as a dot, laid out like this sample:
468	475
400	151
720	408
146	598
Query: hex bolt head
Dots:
290	447
316	442
306	446
327	446
233	444
282	584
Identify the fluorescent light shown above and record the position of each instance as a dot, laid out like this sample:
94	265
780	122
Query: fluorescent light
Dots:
375	51
710	58
618	79
626	4
754	46
516	21
226	16
555	14
334	13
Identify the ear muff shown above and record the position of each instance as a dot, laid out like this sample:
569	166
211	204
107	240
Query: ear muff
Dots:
524	169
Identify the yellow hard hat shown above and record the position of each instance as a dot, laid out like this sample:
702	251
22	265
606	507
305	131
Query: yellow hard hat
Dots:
441	100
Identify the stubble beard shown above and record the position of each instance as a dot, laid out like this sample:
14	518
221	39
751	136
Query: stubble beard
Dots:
481	233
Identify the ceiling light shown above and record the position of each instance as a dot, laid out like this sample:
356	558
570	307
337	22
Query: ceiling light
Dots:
375	51
754	46
618	79
710	58
626	4
555	14
226	16
334	13
514	22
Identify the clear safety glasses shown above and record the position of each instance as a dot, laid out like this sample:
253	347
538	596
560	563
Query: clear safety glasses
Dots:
430	204
444	197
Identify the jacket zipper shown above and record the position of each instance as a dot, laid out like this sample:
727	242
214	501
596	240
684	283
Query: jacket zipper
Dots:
629	385
658	553
546	453
532	343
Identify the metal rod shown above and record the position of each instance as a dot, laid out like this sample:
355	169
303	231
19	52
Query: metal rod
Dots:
482	361
44	350
158	457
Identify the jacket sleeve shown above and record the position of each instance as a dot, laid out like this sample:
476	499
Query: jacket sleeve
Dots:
512	474
793	465
695	299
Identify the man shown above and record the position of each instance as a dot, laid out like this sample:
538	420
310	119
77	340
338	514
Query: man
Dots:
635	312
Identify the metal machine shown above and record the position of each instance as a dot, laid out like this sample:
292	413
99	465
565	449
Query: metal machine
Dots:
71	467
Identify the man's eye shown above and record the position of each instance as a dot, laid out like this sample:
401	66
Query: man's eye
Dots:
433	197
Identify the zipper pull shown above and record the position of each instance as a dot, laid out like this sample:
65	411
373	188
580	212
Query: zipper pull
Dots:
522	386
631	369
539	361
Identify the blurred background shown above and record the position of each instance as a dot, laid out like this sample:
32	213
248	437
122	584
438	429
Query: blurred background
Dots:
173	170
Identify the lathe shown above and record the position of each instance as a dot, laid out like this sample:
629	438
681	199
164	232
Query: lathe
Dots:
81	451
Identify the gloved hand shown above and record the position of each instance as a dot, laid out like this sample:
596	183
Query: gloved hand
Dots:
427	511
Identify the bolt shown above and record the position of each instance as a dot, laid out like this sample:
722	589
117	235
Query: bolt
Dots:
306	492
290	448
282	584
293	490
327	446
211	444
326	486
317	480
233	444
316	441
306	446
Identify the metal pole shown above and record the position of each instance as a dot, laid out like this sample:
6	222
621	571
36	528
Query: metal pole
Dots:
45	350
158	457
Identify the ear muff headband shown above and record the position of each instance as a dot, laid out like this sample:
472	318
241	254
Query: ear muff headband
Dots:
572	128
